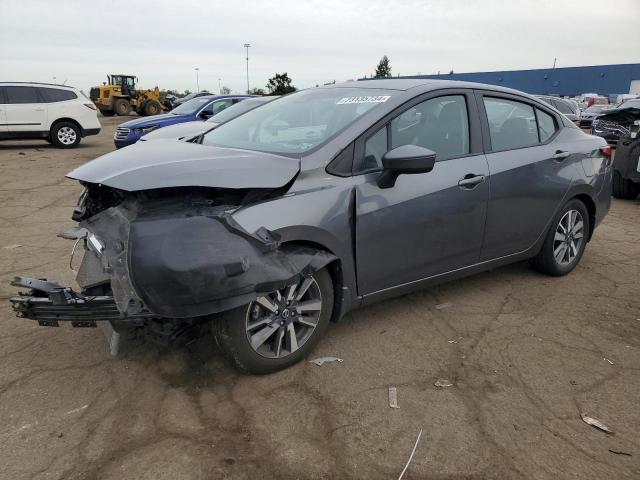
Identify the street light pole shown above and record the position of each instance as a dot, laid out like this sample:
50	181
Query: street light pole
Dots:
219	86
197	69
247	45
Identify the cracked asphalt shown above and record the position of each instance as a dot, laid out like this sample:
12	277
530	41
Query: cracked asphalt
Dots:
527	356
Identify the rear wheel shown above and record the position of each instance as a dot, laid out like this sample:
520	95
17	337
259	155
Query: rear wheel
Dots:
279	329
65	135
565	241
122	107
624	188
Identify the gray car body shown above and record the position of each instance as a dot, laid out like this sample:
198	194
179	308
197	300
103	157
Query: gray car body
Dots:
424	230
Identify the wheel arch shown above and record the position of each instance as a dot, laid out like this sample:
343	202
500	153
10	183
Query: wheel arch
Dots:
590	204
335	271
66	119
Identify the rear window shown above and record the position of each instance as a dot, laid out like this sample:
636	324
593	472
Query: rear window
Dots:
21	95
511	124
51	95
563	107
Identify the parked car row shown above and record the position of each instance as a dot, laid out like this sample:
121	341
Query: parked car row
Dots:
288	216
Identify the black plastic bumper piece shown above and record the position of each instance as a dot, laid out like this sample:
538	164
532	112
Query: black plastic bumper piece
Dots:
48	303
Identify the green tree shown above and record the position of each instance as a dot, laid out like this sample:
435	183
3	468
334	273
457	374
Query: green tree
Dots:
257	91
225	90
383	70
280	84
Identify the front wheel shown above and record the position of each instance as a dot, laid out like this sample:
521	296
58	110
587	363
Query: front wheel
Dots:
279	329
566	240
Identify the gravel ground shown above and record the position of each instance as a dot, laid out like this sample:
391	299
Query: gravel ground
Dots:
526	354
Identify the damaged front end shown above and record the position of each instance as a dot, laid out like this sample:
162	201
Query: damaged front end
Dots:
168	256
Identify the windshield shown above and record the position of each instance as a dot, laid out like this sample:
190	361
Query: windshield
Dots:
192	106
298	122
238	109
630	103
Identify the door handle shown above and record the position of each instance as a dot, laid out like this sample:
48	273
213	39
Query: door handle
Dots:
560	155
470	180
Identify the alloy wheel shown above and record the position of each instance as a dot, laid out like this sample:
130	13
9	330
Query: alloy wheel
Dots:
66	135
568	237
280	323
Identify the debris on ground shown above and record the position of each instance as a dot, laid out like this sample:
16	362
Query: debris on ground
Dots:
442	306
620	452
609	361
442	383
13	246
410	456
393	397
322	360
595	423
76	410
452	341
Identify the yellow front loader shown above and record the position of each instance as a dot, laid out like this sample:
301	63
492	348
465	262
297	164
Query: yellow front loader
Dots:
119	96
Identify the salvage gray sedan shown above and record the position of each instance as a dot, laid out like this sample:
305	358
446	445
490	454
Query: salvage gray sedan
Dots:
322	201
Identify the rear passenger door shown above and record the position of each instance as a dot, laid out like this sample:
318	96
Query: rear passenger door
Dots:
25	110
529	171
428	223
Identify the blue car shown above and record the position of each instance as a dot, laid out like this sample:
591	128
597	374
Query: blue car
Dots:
201	108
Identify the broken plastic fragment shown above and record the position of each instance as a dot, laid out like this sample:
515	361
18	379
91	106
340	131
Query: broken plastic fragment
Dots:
322	360
595	423
609	361
442	306
393	397
442	383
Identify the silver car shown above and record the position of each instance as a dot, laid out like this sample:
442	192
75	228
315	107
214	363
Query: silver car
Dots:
288	217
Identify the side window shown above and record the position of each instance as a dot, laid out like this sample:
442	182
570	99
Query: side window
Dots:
51	95
21	95
511	124
2	95
374	148
440	124
217	107
546	125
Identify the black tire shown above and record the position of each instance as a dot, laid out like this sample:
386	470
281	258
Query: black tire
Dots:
65	135
230	332
151	108
624	188
122	107
107	113
546	261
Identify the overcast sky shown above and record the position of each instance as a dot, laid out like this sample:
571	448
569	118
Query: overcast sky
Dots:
315	41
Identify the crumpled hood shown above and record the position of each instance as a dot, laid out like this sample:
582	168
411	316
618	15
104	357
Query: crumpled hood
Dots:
167	163
624	116
164	119
175	132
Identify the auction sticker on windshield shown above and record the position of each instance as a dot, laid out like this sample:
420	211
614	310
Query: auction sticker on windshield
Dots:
368	99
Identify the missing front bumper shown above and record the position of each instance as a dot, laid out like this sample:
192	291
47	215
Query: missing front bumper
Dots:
49	303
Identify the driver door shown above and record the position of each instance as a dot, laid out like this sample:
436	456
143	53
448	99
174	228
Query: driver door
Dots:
428	223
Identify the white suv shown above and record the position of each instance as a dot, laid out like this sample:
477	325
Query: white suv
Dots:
59	114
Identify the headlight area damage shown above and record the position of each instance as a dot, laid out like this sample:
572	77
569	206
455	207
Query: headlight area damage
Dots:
170	256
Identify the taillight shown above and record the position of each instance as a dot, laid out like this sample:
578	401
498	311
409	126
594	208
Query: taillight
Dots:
607	152
90	105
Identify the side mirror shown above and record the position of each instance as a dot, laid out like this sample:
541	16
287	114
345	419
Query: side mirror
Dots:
405	159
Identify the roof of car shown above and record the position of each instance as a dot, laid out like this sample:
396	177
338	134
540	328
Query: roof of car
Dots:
38	83
425	84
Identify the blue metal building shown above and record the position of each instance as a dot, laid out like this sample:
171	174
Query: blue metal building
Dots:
567	81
